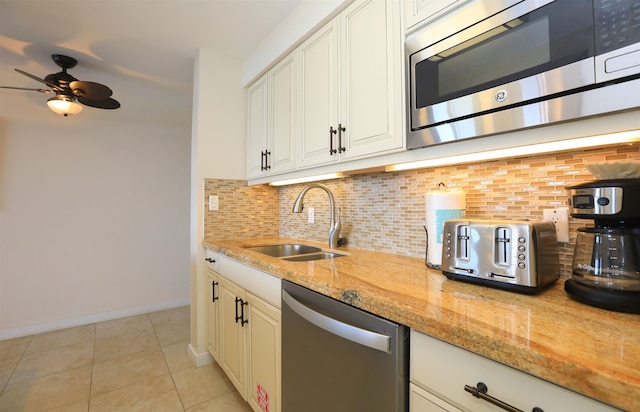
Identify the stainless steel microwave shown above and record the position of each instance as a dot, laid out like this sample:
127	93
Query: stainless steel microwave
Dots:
503	65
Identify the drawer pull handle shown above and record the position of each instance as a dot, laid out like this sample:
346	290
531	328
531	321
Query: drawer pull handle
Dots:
480	391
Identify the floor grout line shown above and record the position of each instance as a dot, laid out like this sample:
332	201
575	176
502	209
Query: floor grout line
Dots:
167	325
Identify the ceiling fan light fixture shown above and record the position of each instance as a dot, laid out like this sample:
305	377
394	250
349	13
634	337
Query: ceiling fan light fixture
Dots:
64	105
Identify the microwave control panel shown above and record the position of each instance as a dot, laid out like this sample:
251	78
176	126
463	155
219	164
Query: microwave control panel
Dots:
617	24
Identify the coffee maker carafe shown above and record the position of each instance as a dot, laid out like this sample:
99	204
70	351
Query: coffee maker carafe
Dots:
606	260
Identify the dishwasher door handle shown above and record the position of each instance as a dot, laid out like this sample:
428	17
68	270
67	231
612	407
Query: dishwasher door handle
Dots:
361	336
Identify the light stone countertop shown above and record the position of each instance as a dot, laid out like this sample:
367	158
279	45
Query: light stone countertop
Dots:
588	350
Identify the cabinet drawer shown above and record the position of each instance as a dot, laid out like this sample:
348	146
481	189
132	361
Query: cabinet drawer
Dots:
443	370
262	284
423	401
212	259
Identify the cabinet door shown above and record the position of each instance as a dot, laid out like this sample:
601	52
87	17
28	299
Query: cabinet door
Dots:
257	115
263	347
213	315
232	347
371	78
318	83
283	115
418	10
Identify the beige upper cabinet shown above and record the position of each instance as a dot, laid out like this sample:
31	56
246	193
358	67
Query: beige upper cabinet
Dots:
416	11
350	78
272	121
318	68
257	106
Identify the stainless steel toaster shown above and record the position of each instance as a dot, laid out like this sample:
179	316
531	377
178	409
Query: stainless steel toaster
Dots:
517	255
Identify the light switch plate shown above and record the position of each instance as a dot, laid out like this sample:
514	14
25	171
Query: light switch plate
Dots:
213	202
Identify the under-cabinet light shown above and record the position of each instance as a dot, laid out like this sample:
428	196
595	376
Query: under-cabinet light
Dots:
307	179
527	150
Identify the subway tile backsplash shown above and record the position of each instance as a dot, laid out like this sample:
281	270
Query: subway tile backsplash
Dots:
386	211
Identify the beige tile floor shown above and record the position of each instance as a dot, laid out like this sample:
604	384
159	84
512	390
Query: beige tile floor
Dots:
139	363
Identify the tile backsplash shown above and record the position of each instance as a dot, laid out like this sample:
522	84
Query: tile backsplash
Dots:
243	211
386	211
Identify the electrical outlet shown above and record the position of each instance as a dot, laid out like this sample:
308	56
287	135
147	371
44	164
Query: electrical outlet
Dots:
560	217
213	202
311	215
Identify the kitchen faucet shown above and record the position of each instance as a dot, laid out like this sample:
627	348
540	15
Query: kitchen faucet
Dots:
334	229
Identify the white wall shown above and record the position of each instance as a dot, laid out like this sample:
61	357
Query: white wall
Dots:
307	17
218	151
93	220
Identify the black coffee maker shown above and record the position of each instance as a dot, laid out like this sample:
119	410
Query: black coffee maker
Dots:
606	261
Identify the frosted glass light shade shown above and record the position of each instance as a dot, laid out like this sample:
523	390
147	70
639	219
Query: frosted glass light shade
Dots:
64	105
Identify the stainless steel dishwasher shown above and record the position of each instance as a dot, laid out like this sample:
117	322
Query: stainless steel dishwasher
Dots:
338	358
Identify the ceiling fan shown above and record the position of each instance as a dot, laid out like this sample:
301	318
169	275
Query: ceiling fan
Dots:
69	90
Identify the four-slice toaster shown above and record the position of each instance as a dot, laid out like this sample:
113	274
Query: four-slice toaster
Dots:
517	255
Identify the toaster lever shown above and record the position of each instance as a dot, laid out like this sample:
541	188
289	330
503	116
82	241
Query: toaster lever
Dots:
502	246
463	242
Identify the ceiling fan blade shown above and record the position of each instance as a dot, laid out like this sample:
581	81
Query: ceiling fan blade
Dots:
107	103
26	88
90	90
31	76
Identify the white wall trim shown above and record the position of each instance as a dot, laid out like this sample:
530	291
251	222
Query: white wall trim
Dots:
201	359
86	320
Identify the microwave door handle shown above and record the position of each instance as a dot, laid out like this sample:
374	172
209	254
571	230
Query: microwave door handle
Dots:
360	336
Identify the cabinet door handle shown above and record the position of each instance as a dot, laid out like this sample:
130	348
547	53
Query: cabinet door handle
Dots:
266	160
340	130
332	131
480	391
210	260
262	155
240	311
213	291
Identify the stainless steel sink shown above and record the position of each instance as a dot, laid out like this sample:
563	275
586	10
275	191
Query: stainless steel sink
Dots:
284	250
294	252
312	256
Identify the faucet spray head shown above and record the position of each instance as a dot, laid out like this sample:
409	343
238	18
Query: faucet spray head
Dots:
298	206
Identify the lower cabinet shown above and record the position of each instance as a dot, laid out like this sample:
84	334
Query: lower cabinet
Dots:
213	315
244	317
441	375
232	333
423	401
263	350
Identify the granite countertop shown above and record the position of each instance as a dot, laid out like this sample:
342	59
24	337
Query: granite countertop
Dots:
588	350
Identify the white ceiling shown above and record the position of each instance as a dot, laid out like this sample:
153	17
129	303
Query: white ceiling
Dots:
144	50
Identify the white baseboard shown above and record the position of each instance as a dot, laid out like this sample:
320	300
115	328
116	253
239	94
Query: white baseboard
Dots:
199	359
87	320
